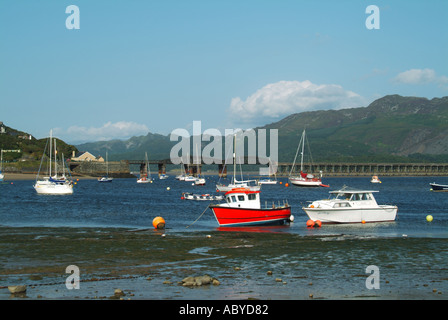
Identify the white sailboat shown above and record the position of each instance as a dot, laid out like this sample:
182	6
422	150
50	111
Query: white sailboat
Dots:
145	177
304	179
53	184
199	181
251	184
268	180
106	178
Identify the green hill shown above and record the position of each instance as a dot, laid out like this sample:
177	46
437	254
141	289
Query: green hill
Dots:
392	128
30	147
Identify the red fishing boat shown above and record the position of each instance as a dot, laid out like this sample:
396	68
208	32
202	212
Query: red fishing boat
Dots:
242	208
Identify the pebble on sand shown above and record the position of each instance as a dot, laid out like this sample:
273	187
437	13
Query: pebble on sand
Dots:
199	281
17	289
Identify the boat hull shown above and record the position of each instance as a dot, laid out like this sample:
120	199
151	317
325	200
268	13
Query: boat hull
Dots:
49	188
353	215
438	187
306	182
226	188
228	216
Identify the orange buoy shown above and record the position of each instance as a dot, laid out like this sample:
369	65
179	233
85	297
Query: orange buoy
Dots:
158	223
363	221
310	223
281	182
286	184
318	223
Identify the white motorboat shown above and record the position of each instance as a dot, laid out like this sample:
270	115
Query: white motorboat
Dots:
199	181
200	197
55	184
350	206
266	181
375	179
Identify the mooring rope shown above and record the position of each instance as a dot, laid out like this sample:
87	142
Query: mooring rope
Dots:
198	217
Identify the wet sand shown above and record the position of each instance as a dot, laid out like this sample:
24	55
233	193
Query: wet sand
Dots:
150	264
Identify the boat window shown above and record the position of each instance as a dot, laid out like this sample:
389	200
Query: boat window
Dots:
228	200
233	199
251	196
241	198
341	204
356	197
368	196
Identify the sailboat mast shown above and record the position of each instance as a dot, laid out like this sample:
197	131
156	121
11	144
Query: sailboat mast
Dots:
55	160
303	148
234	158
51	148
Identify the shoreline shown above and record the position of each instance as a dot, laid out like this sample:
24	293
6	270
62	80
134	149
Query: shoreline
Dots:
151	264
11	177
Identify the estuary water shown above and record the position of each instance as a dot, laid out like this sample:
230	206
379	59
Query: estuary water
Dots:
125	203
106	229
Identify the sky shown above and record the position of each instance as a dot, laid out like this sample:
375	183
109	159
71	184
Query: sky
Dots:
134	67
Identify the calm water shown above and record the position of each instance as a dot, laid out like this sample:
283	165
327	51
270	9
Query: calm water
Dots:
124	203
329	262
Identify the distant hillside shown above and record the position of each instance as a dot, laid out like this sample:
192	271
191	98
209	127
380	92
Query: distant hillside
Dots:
392	129
157	146
31	148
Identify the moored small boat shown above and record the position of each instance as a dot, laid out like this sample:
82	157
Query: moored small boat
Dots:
243	208
438	187
350	206
375	179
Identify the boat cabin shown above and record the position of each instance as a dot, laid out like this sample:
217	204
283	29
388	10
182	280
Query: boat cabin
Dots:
243	198
344	198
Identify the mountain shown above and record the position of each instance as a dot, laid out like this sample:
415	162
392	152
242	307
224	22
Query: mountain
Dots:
390	129
157	146
30	147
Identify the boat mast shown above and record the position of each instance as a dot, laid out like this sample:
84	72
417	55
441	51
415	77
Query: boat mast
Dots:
51	146
303	147
234	158
55	160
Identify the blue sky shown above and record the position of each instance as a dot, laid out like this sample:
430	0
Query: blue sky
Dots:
139	66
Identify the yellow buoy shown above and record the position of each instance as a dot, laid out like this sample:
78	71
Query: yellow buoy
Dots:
158	223
429	218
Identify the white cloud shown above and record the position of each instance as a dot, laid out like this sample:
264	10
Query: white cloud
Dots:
420	76
109	131
282	98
